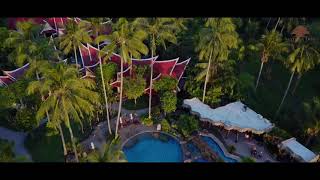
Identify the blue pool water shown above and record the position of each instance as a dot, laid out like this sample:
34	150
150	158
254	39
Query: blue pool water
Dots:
149	147
216	148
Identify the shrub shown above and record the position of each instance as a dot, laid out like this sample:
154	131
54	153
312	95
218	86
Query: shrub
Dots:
6	151
147	121
165	126
247	160
231	149
168	101
187	124
25	120
166	83
155	111
279	133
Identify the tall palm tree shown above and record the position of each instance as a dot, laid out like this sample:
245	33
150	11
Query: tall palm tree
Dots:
30	47
74	35
70	98
96	26
290	23
312	112
278	21
216	40
159	31
271	45
129	42
303	57
110	152
43	88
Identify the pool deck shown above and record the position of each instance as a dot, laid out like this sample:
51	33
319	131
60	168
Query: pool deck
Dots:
243	147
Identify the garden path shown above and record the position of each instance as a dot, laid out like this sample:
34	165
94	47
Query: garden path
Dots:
18	138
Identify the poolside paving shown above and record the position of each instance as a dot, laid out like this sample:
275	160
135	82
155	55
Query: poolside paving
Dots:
100	133
243	147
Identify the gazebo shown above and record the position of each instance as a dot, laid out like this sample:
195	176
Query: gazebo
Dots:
298	151
233	116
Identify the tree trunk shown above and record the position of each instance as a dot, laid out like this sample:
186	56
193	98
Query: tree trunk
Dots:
268	23
150	87
120	100
309	140
297	83
282	29
257	83
285	94
81	126
207	78
62	140
21	102
48	116
98	120
75	55
135	101
105	94
275	27
73	143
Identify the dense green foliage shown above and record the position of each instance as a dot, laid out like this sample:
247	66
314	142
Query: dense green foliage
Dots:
247	160
166	88
134	86
255	60
187	124
6	151
146	121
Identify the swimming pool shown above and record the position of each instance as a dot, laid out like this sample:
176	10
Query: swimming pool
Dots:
153	147
216	148
195	152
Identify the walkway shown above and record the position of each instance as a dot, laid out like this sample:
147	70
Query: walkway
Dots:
18	138
100	132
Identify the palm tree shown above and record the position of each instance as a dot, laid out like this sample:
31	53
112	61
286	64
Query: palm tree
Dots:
40	87
216	40
159	31
97	25
312	112
30	47
302	58
70	98
278	21
22	42
130	44
74	35
111	152
271	46
290	23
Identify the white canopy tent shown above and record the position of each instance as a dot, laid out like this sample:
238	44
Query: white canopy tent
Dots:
235	116
298	151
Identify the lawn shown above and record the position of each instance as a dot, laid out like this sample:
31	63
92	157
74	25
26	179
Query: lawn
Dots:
142	102
48	148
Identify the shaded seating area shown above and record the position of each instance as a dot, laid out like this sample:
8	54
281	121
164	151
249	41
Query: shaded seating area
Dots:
298	151
125	121
233	116
236	125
